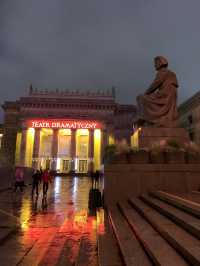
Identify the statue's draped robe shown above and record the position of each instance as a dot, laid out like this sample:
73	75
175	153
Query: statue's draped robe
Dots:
159	103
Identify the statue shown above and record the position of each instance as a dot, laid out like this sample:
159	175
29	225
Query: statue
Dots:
158	105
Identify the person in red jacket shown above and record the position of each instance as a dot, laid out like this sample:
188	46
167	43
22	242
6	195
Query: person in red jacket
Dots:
46	178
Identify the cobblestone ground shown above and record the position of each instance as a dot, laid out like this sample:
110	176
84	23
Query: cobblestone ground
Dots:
58	230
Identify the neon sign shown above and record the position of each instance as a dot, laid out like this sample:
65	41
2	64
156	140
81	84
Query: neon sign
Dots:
60	123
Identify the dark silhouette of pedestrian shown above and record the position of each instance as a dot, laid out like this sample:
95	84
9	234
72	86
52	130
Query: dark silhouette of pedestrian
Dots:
92	176
44	203
19	179
36	181
96	178
41	171
95	199
46	178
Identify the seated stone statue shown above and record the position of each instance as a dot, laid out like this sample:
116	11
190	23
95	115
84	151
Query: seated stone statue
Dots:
158	105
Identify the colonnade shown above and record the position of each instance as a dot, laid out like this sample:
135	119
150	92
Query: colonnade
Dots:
30	142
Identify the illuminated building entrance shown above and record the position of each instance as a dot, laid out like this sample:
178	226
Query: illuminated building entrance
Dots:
64	130
61	145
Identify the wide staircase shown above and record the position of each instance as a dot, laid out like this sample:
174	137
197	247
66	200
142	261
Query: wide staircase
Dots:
158	228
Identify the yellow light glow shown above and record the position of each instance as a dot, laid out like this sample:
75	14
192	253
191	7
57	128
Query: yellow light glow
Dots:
97	149
25	213
43	163
82	132
64	132
64	143
82	143
81	217
29	147
47	131
135	139
58	164
100	222
46	137
18	148
76	164
111	140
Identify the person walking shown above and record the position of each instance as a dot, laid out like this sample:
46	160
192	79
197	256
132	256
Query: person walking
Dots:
36	181
19	179
46	178
96	179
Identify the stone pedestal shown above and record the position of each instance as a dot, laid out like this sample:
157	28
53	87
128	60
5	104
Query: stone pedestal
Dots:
144	137
125	180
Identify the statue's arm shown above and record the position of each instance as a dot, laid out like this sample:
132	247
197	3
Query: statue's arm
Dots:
156	83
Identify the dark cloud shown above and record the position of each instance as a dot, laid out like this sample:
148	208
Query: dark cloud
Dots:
94	44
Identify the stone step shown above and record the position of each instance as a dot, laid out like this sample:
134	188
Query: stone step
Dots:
106	244
131	250
155	246
195	196
192	196
185	220
184	243
184	204
196	192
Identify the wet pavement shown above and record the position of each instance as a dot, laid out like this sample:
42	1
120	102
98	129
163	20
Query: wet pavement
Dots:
57	230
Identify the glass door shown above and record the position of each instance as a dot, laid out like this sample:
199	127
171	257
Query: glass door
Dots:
82	166
66	166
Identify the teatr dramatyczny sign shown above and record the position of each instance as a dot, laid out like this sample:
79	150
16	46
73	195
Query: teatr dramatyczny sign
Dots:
58	123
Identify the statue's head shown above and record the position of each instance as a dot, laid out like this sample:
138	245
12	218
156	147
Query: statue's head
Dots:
160	62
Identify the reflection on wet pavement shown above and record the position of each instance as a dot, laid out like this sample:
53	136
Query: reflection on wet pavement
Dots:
56	230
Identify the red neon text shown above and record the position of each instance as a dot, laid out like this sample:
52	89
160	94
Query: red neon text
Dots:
68	124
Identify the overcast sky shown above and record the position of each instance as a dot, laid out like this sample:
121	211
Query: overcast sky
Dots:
95	44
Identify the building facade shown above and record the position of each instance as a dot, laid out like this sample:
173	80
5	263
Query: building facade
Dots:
189	117
64	130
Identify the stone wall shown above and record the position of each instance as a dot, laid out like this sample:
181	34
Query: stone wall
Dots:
128	180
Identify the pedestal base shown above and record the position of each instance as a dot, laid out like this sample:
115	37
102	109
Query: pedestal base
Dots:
144	137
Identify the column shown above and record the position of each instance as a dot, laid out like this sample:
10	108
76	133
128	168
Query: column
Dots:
36	148
104	142
91	144
73	149
23	147
91	151
54	149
